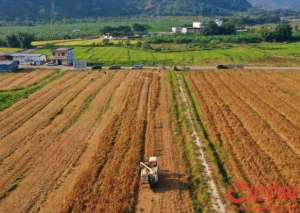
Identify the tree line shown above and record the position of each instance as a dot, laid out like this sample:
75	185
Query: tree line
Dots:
227	34
17	40
125	30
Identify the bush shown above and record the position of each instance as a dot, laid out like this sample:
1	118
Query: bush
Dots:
19	40
282	32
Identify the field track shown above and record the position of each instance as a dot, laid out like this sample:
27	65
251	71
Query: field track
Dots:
75	143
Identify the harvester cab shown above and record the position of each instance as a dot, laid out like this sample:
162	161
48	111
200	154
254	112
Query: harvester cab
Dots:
149	172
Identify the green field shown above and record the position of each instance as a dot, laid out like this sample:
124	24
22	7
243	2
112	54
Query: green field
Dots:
277	54
91	27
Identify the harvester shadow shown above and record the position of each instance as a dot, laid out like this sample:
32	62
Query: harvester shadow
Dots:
169	181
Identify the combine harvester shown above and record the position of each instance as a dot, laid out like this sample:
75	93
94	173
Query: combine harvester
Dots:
149	172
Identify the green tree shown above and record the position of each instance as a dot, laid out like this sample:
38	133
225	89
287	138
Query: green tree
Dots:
25	40
228	28
139	28
3	43
12	41
117	31
267	35
283	32
211	29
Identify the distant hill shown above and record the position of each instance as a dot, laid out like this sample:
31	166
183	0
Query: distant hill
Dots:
44	9
277	4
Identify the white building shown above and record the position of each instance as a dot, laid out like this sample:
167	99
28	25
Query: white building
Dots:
28	58
219	22
196	28
197	24
186	30
176	29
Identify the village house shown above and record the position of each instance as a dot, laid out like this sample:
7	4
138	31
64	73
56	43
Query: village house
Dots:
28	58
24	58
197	27
63	56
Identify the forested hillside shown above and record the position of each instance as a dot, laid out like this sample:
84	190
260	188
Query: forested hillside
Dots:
277	4
47	9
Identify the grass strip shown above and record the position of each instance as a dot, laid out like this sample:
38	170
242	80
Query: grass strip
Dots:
197	182
215	149
11	187
9	97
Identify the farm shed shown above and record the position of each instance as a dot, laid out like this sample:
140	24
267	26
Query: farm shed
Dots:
9	66
27	58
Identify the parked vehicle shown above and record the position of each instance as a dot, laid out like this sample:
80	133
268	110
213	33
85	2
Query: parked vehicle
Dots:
114	67
138	66
222	66
97	67
36	63
51	64
230	66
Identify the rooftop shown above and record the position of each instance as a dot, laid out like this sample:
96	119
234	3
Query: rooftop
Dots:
7	62
62	49
27	54
21	54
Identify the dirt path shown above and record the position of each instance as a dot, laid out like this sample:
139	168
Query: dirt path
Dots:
215	197
171	194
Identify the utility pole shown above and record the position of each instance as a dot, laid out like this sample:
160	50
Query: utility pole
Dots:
52	17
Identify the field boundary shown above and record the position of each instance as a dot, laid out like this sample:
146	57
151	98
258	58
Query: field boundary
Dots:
215	198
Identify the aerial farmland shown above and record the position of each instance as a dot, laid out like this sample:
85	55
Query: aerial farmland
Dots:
72	141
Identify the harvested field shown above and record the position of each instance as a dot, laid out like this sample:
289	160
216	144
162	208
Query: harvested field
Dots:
75	145
72	141
254	116
19	80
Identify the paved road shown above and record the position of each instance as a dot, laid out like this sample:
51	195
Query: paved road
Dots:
26	51
200	68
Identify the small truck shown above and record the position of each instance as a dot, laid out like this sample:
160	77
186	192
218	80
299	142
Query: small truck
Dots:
149	172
